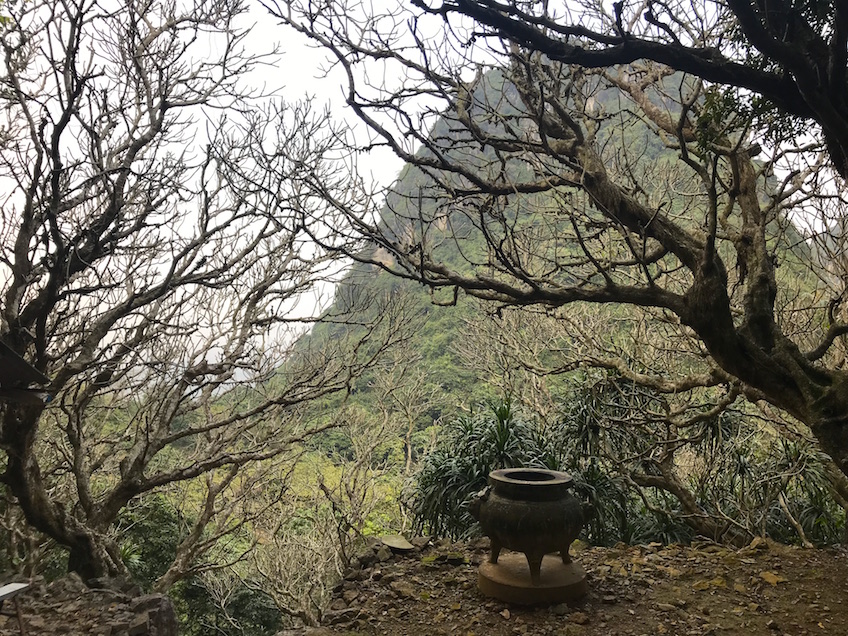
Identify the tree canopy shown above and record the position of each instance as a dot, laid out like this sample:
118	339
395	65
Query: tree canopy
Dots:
530	124
155	270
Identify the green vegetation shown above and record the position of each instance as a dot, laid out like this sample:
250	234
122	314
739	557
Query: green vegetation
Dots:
743	480
469	448
657	325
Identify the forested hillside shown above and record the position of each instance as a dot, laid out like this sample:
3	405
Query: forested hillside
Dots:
589	389
538	287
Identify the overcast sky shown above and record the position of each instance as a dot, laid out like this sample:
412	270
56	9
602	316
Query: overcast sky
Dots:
300	75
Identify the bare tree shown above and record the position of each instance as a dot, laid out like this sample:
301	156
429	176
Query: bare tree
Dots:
155	266
321	523
403	398
651	155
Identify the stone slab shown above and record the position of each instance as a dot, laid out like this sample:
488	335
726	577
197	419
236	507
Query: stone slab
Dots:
508	580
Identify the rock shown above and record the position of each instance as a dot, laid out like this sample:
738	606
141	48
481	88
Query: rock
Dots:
579	618
68	585
338	605
37	621
350	595
455	558
421	542
367	558
560	610
333	617
758	544
139	626
397	543
145	603
402	589
67	606
384	553
115	584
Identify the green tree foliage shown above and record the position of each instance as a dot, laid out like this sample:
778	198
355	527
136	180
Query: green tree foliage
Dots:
470	448
730	480
545	178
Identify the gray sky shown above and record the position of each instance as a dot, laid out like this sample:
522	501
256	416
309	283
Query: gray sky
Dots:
300	74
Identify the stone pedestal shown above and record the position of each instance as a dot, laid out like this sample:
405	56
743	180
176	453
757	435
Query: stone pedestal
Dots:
509	580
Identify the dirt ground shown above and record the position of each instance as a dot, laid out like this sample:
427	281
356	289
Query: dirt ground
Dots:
699	590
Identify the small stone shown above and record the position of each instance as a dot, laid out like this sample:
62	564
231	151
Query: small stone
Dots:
384	553
333	617
757	544
772	578
139	626
772	624
483	543
455	558
609	599
402	589
666	607
579	618
505	614
560	610
350	595
338	604
397	543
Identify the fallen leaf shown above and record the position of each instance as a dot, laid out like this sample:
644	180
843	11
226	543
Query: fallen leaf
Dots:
771	577
711	584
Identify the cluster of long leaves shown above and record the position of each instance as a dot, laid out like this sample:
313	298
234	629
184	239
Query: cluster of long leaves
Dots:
747	481
469	448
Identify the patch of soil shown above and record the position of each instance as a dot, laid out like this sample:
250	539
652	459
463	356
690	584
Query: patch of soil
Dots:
698	590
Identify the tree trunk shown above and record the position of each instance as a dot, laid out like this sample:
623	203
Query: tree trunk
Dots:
92	554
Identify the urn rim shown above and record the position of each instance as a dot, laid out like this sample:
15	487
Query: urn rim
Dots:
532	477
